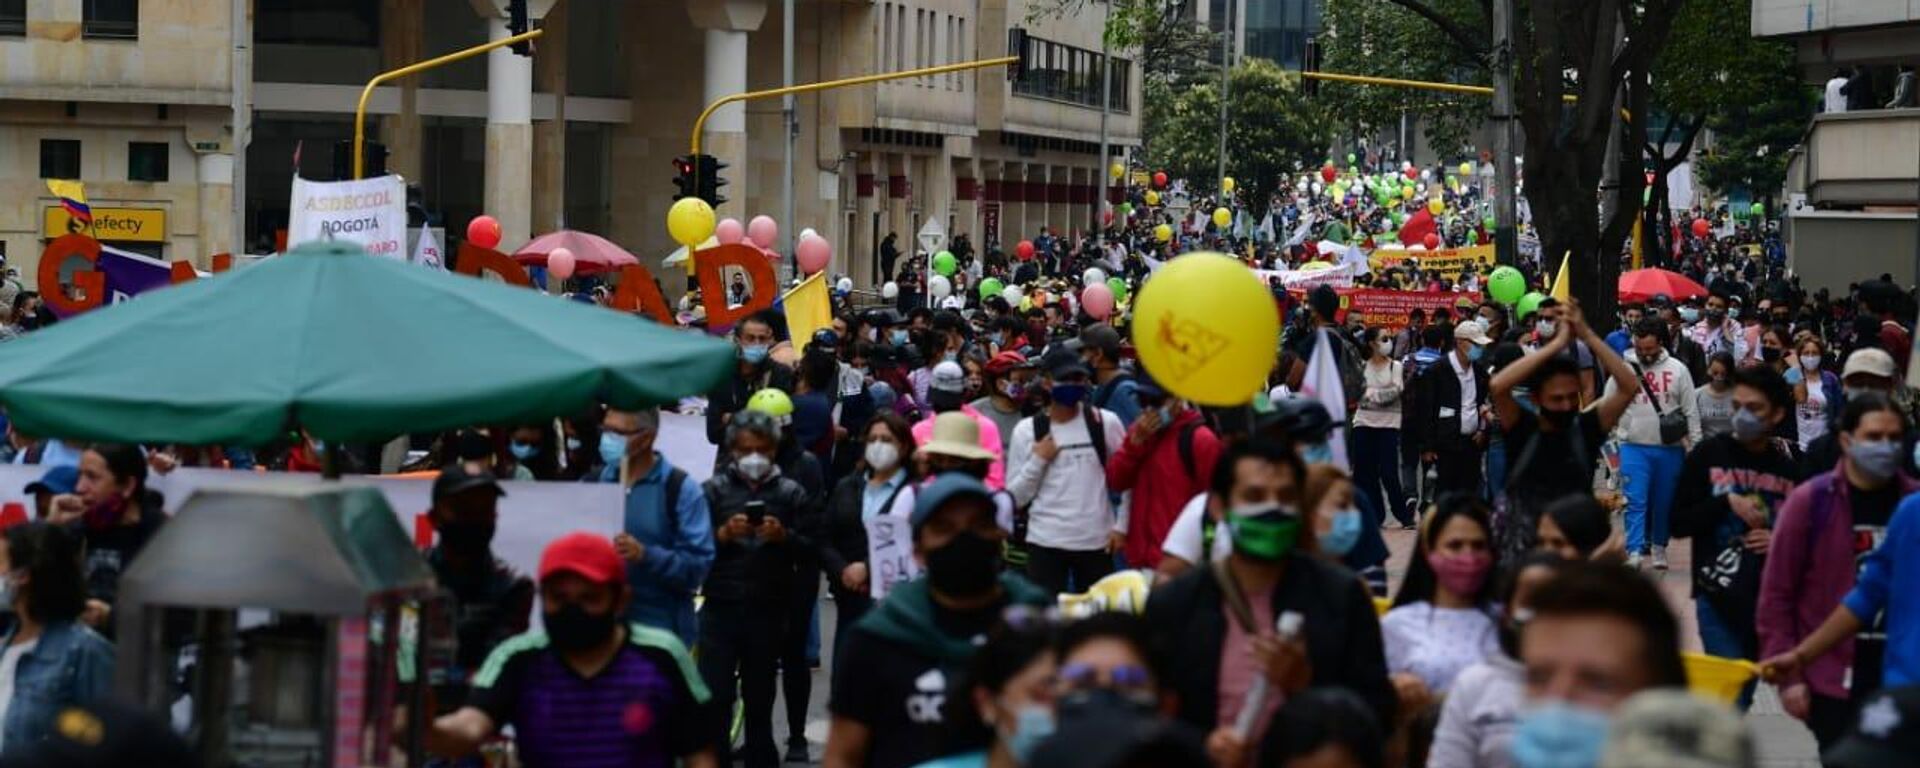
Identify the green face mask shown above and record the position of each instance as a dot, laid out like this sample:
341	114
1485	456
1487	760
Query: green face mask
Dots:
1265	532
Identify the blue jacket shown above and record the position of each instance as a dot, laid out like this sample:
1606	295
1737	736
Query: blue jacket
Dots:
1895	561
70	666
679	549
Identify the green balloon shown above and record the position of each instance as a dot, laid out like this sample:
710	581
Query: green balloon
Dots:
1351	158
1489	223
1529	303
1118	286
1126	208
1759	209
991	287
1506	285
945	264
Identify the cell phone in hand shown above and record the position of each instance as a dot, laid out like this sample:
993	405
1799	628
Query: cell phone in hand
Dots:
756	512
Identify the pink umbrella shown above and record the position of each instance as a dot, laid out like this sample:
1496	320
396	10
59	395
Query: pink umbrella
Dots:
592	253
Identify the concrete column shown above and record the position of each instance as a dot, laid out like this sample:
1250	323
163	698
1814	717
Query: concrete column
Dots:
550	136
900	203
866	248
507	195
402	42
939	195
967	212
727	23
216	210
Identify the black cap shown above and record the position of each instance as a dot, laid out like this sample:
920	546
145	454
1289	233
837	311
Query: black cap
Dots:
1060	363
104	733
1303	420
457	477
1886	733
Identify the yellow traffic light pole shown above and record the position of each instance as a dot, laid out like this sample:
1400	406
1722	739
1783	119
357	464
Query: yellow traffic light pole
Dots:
360	112
1392	82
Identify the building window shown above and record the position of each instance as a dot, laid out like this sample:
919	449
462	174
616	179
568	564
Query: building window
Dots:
13	18
147	161
354	23
111	20
60	158
1065	73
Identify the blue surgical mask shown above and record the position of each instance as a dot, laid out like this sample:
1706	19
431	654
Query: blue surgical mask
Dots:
754	354
523	451
1474	352
1032	725
1877	459
1069	395
1559	735
1343	534
1166	414
573	444
1748	426
899	337
613	448
1689	314
1317	453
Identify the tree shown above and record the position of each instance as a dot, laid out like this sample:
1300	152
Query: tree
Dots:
1272	131
1386	40
1754	138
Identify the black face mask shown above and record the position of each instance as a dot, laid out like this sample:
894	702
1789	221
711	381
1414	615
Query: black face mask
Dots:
465	537
1770	354
967	566
1558	419
572	628
943	401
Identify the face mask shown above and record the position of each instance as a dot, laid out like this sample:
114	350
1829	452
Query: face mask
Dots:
965	566
573	444
754	354
571	628
1032	724
1264	532
1317	453
1854	392
1810	364
523	451
1069	395
1166	414
1689	314
898	337
1385	347
882	456
1343	533
1013	390
1748	426
1877	459
1645	359
613	448
1460	574
1716	315
1559	735
1558	419
462	536
1771	354
1474	352
1545	328
754	466
1733	313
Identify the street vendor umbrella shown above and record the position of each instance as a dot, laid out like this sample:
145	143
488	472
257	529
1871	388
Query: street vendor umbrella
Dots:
1644	284
592	254
349	347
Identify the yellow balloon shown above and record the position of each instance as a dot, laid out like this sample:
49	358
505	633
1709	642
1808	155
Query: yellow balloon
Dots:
1153	198
1117	170
1226	184
1222	217
1406	193
1466	169
1339	197
690	221
1206	328
1436	206
1163	233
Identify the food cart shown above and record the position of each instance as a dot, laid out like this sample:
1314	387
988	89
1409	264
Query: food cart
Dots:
278	625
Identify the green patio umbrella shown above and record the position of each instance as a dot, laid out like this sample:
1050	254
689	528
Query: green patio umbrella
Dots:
350	347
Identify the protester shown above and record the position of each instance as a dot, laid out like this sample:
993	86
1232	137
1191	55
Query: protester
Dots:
885	466
946	390
1829	524
491	602
756	370
1005	380
1454	403
1329	499
570	689
1002	707
1656	427
1476	721
1714	402
1442	621
1376	428
1114	387
59	480
49	660
1166	459
1324	727
887	710
1817	392
667	529
1057	471
113	512
1577	527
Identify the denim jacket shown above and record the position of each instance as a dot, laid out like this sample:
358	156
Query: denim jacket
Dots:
70	666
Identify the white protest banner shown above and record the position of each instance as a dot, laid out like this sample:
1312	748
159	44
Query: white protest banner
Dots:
426	252
889	554
369	212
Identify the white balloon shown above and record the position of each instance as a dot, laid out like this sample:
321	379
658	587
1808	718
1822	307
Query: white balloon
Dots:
1317	188
1013	295
940	286
1426	174
1093	276
1301	185
890	291
845	285
805	233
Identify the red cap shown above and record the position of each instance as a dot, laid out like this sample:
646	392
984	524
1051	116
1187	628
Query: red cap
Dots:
588	555
1006	361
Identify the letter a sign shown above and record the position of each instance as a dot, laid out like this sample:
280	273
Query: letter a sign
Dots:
370	212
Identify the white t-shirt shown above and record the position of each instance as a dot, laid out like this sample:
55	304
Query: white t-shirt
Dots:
1066	499
1437	643
9	664
1836	101
1188	535
1812	414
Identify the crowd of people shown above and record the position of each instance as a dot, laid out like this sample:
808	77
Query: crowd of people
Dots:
1535	466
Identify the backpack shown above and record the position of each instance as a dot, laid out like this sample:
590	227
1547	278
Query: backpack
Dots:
1096	431
1353	374
1104	393
675	478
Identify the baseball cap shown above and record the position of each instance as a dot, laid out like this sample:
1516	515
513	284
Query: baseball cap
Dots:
1676	729
1006	361
57	480
826	339
949	487
1061	363
583	554
1303	420
948	377
458	477
1886	734
1102	337
1471	331
956	434
106	732
1872	361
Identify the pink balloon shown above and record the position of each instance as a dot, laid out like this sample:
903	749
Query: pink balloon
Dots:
560	263
1097	300
763	231
729	231
813	252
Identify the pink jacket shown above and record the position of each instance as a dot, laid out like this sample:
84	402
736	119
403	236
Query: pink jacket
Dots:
989	439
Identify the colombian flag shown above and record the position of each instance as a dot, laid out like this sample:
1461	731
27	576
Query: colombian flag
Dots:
73	197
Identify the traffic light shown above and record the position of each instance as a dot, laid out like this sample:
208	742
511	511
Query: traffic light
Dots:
707	174
517	25
1017	46
683	182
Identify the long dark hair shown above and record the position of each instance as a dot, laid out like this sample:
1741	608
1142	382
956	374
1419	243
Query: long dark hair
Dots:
1581	519
56	589
1420	583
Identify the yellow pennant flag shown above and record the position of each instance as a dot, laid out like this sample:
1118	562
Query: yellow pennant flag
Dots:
808	309
1560	290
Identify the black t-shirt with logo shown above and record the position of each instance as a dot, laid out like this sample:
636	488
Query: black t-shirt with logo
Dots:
899	692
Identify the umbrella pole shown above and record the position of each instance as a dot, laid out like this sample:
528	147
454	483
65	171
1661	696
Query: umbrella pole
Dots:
330	460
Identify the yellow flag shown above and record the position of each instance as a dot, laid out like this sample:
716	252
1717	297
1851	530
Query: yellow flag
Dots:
73	198
808	309
1560	290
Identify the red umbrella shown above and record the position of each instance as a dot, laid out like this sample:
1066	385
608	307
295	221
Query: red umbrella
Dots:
1644	284
591	253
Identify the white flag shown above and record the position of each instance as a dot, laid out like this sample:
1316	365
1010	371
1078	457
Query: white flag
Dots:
1322	383
426	252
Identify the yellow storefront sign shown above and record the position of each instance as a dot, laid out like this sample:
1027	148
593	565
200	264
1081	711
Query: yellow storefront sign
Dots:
123	225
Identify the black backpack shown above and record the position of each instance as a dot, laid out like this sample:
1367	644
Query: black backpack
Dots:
1096	430
1103	395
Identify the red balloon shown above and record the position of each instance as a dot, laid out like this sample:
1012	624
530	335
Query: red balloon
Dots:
1412	173
1701	227
1160	178
1327	173
484	231
1024	250
1432	241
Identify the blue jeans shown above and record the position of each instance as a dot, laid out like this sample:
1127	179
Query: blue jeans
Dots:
1496	468
1376	457
1718	639
1651	473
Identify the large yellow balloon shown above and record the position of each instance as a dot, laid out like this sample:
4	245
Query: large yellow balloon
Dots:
1152	197
1222	217
1206	328
1163	233
690	221
1436	206
1226	184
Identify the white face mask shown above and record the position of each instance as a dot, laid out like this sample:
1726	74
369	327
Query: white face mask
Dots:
882	456
1810	363
1385	346
754	466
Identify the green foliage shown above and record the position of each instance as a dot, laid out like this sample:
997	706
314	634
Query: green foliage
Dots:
1373	37
1748	91
1272	130
1752	140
